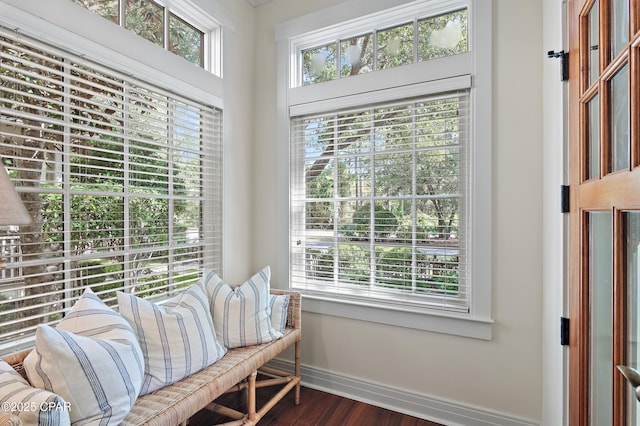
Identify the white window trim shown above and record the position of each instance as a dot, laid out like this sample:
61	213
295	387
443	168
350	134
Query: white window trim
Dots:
478	323
91	36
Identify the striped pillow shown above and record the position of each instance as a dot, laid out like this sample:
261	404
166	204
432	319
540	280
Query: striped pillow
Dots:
241	315
279	304
99	378
91	317
23	400
177	338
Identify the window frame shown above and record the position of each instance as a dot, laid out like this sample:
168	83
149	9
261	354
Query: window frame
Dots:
88	41
103	42
329	24
193	16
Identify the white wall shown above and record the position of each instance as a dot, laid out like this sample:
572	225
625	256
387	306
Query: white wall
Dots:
503	375
554	357
238	176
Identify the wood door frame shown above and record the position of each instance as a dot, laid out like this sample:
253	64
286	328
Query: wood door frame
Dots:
578	326
616	192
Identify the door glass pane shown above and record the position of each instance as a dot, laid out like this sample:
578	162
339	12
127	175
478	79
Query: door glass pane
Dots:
619	25
594	61
619	134
601	328
632	258
593	138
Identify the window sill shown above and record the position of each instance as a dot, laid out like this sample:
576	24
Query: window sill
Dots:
464	325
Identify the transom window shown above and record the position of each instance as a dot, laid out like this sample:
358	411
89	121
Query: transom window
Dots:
162	25
417	40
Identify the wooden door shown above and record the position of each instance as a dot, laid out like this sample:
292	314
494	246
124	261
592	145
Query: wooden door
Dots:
604	155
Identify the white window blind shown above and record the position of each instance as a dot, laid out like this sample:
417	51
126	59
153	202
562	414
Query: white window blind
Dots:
379	197
123	181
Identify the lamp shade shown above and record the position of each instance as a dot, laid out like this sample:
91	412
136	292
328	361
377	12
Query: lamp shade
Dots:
12	211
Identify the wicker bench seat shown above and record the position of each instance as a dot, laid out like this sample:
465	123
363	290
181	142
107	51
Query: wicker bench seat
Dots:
235	372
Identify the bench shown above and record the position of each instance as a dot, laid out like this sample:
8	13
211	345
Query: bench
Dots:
235	372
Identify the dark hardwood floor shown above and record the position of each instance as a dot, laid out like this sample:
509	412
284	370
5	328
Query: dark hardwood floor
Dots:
318	409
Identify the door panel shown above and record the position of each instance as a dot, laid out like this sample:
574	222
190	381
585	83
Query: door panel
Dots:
605	210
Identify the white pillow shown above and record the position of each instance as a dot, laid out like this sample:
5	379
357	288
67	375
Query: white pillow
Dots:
32	406
99	378
91	317
177	338
241	315
279	304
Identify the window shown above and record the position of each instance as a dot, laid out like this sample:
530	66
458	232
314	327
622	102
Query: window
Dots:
122	180
390	166
162	26
383	194
417	40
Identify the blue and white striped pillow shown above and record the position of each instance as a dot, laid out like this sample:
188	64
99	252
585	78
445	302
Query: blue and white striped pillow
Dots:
279	304
91	317
99	378
241	315
177	338
33	406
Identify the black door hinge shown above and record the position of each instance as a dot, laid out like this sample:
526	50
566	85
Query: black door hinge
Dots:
564	58
564	331
564	199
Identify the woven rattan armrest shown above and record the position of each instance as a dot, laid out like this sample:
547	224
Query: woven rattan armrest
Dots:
7	419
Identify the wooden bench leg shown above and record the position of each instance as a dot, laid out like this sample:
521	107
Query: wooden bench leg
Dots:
297	372
251	400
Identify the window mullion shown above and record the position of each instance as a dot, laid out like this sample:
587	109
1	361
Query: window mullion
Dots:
336	205
126	168
165	27
414	209
171	116
121	13
66	186
416	40
372	207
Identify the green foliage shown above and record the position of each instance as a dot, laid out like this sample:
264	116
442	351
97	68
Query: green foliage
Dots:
395	267
395	46
443	35
185	40
106	8
145	18
385	223
319	64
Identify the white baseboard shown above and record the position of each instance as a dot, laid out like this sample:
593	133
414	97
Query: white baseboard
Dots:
450	413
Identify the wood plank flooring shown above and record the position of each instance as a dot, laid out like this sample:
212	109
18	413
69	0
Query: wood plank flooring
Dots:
319	409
